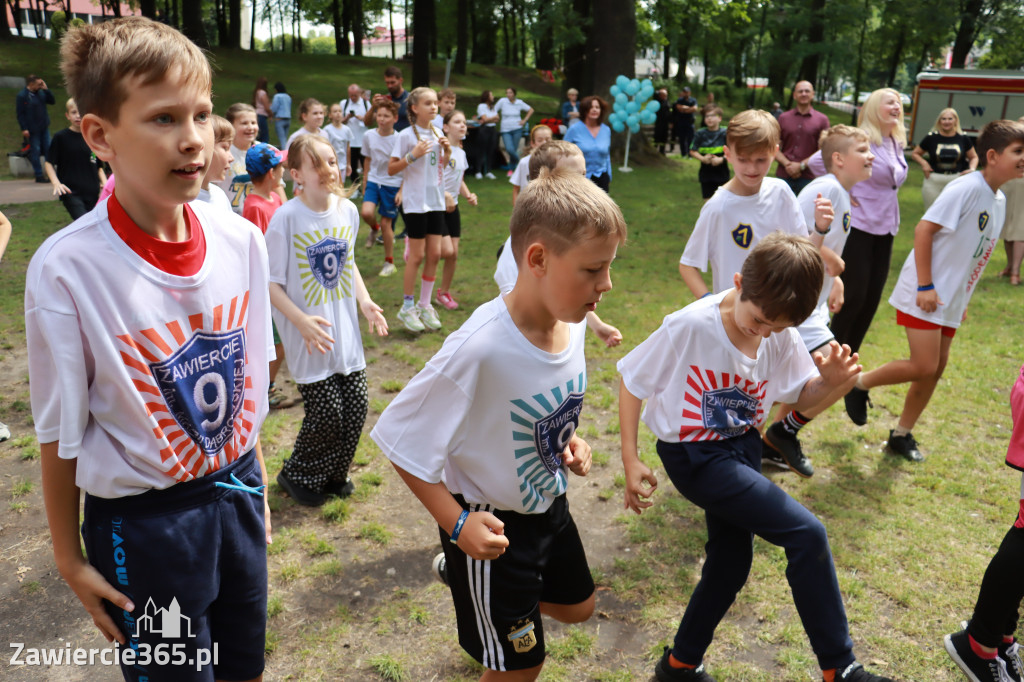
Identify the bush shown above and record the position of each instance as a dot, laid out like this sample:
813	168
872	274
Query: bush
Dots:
59	24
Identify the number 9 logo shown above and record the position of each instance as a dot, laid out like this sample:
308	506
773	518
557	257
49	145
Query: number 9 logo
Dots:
331	265
218	406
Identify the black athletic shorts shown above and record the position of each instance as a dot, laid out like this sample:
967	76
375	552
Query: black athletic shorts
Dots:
419	225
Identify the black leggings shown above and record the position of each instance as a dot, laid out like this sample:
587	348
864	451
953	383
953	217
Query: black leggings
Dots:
1002	589
487	142
867	258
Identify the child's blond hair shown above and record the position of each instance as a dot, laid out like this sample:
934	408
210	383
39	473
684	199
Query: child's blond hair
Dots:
414	98
98	60
223	131
538	129
782	276
839	138
752	130
561	209
303	149
549	154
308	104
238	108
70	103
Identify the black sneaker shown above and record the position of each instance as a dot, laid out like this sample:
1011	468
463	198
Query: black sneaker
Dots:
340	488
666	673
857	402
905	446
300	493
439	567
1010	653
776	437
976	668
855	672
772	456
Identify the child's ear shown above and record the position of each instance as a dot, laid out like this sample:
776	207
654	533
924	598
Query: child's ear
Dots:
536	257
737	281
728	153
838	160
294	172
94	132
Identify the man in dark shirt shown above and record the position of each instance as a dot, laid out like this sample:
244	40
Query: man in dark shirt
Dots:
34	120
801	127
396	93
686	107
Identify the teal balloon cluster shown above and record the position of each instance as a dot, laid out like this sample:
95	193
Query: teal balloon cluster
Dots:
629	109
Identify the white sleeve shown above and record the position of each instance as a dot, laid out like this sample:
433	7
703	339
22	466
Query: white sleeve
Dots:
793	369
647	368
506	272
794	218
58	379
806	201
401	147
698	250
417	428
946	209
278	253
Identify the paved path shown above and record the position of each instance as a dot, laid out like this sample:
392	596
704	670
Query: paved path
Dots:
24	191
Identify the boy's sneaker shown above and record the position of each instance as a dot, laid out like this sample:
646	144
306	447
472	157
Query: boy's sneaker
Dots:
278	399
976	668
300	493
410	317
388	270
445	299
428	316
439	567
857	402
340	488
905	446
772	456
380	240
1010	653
666	673
778	438
5	432
479	176
489	175
371	239
855	672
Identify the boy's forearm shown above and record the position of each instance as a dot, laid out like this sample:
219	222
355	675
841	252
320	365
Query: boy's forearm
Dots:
924	234
61	500
693	280
629	422
813	393
51	173
435	497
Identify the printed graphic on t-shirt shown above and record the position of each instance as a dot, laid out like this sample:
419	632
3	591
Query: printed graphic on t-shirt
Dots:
240	186
982	221
743	235
194	387
846	221
720	405
324	265
544	424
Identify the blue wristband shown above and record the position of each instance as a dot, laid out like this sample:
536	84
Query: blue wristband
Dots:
458	526
926	287
706	295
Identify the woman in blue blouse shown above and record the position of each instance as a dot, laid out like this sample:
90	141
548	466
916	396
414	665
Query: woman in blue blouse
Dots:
594	138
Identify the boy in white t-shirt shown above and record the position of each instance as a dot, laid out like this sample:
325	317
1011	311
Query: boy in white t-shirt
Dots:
211	193
539	135
952	245
846	152
150	397
485	435
236	184
446	100
380	188
340	137
745	209
709	375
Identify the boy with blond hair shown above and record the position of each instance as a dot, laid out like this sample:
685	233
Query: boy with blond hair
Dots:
709	375
211	193
495	481
952	245
745	209
150	398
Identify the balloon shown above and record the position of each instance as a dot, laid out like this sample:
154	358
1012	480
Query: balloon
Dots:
619	108
621	98
632	107
647	117
622	82
635	84
632	89
615	90
618	127
632	120
646	90
653	106
613	117
634	128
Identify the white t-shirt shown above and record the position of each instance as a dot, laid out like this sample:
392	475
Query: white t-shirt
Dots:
302	131
146	378
490	414
215	196
378	150
454	171
489	111
971	215
313	258
507	272
814	330
521	176
340	138
699	386
423	183
236	183
511	113
355	124
730	225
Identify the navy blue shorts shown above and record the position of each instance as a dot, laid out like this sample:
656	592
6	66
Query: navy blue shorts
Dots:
193	560
384	197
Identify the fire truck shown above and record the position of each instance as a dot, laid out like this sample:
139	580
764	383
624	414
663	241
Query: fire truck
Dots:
978	95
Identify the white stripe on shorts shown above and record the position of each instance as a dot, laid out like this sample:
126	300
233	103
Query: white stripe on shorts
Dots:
480	592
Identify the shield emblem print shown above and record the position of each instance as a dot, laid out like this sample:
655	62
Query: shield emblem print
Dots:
327	260
982	221
554	432
203	385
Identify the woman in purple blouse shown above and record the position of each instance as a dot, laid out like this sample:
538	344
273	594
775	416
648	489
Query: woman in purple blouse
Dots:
875	216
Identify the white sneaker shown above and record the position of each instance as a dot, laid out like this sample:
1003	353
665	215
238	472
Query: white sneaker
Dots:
479	176
490	176
410	317
388	270
5	432
439	567
428	316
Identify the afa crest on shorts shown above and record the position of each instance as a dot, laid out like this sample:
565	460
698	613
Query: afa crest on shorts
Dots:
325	264
743	235
728	411
982	221
523	635
203	384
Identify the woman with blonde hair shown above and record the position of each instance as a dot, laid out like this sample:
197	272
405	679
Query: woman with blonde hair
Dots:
950	154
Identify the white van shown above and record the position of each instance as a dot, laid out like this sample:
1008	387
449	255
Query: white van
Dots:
978	95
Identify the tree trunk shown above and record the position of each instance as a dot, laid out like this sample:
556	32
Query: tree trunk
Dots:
666	61
683	57
577	66
421	45
966	32
252	29
545	55
505	31
514	21
5	28
391	24
614	24
340	41
222	22
461	36
235	24
148	8
432	30
897	54
815	40
357	27
15	12
114	5
346	25
192	22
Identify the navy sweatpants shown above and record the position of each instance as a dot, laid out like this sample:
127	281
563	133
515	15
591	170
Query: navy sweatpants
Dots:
724	479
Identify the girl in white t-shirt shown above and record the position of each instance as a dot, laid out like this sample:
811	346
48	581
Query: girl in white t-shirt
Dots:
421	153
236	184
311	111
315	288
538	136
341	138
454	185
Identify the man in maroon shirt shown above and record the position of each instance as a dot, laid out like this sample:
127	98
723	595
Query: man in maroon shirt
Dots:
801	128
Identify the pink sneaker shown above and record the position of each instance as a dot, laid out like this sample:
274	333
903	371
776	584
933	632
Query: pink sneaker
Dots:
405	256
445	299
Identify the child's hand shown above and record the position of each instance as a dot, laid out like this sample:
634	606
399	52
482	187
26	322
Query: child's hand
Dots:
717	160
92	589
929	301
609	334
471	199
60	189
398	197
374	314
445	144
836	297
823	213
577	456
449	202
483	536
314	334
266	516
839	367
637	475
421	148
834	263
